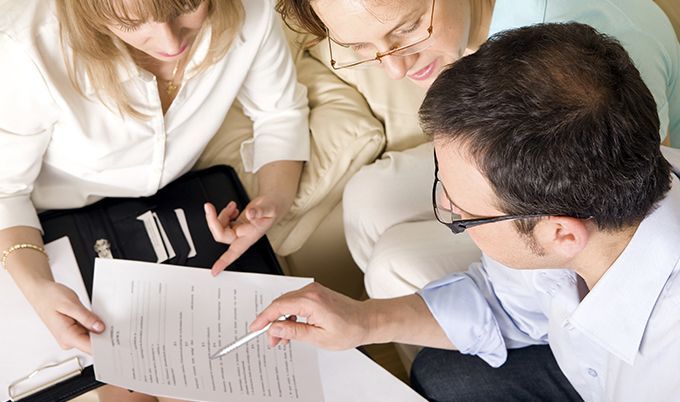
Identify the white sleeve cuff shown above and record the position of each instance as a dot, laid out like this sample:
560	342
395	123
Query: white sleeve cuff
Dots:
18	211
283	141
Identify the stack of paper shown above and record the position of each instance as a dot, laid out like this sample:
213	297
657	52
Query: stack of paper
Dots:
164	322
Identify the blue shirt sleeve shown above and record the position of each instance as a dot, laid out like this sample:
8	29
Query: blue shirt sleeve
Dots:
477	321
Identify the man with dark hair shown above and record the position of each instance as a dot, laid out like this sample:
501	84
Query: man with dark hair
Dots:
547	150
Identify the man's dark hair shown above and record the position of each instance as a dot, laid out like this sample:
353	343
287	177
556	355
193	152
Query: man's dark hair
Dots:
558	119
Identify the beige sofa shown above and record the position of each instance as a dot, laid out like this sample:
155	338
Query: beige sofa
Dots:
346	134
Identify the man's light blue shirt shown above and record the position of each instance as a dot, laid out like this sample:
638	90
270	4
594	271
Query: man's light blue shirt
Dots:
620	343
641	27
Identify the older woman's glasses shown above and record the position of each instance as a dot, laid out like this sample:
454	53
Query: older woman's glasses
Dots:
444	209
355	58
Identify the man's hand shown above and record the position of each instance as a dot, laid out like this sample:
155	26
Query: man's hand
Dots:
67	319
240	230
334	321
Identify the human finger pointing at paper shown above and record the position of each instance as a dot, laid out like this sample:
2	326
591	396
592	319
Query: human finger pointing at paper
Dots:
277	188
239	230
337	322
328	315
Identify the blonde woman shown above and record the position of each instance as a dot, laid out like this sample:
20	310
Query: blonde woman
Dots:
106	98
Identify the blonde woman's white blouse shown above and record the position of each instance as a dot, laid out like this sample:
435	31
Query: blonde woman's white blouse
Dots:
59	149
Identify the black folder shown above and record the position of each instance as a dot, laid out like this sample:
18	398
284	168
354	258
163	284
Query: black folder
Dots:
115	220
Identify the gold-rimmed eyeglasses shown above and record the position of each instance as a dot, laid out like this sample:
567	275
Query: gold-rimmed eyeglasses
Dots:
405	50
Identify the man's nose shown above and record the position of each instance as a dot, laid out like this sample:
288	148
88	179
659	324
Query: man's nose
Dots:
168	37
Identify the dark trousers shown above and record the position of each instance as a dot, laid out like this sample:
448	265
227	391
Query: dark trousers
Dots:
529	374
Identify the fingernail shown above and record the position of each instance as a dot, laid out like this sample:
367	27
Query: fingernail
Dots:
98	326
205	208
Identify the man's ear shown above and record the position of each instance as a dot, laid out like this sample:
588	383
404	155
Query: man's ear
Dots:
563	235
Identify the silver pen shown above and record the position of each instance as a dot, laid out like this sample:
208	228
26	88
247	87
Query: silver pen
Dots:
242	341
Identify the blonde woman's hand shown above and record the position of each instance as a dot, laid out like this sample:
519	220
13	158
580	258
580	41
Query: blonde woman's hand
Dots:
65	316
240	230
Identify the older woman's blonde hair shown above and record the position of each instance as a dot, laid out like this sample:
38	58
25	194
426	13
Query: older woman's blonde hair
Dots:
97	52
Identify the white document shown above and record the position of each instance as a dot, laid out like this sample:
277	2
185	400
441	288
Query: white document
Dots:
25	343
351	376
163	323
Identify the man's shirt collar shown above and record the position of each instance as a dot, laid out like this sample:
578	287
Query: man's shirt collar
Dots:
616	311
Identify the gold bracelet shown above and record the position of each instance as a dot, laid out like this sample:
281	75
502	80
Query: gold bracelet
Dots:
20	246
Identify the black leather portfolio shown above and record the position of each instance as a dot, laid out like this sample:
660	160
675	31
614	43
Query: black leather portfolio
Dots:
168	227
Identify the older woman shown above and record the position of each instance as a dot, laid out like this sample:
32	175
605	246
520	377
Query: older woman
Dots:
388	220
117	98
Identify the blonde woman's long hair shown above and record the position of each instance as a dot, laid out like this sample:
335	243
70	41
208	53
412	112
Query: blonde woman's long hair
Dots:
97	52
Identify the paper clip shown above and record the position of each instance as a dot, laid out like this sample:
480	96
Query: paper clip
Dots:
11	388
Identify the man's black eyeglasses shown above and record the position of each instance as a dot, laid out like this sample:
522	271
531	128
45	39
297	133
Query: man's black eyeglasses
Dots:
445	214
